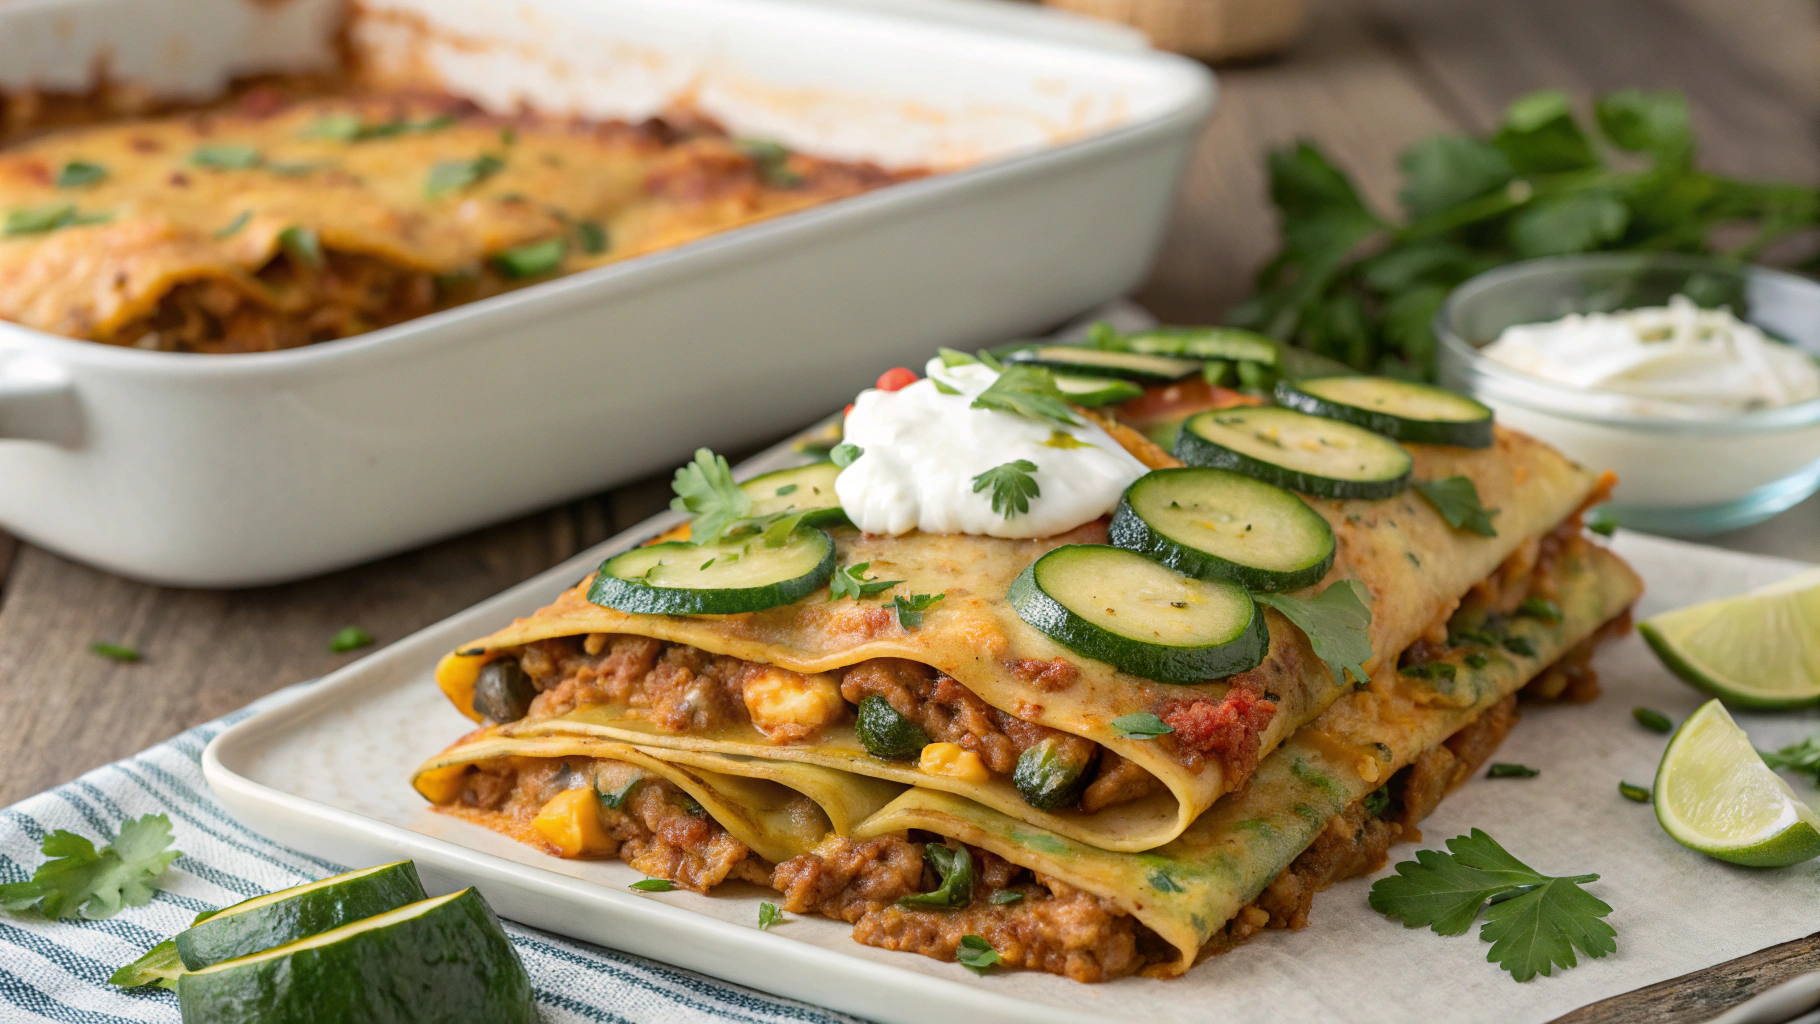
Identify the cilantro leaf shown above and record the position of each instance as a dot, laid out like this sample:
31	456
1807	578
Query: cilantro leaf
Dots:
1803	757
1005	897
1337	622
79	880
844	454
1633	792
116	652
1141	725
768	915
954	866
77	173
976	953
1446	170
1012	487
349	638
852	582
652	885
1534	922
706	488
910	609
454	175
617	798
1457	499
226	156
1028	391
1507	770
1646	122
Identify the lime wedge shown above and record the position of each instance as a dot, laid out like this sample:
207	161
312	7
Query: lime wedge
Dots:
1715	795
1756	650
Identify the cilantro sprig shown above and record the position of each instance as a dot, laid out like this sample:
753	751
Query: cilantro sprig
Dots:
705	487
1012	487
1028	391
1337	622
1356	285
852	581
910	609
1533	921
80	881
1802	757
977	954
1457	499
954	866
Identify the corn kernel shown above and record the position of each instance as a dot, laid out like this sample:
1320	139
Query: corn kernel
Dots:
442	785
789	706
456	676
571	823
950	761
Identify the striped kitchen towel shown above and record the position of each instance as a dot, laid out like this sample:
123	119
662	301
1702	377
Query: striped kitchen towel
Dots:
58	970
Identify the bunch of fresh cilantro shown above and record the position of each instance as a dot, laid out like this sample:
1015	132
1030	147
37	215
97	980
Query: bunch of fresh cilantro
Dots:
79	880
1355	285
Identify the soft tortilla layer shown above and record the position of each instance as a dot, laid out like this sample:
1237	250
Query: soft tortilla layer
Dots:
1187	891
1416	567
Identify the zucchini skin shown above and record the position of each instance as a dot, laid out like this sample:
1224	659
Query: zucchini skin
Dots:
1460	433
451	965
641	598
1196	450
1048	779
1131	532
226	936
886	734
1182	665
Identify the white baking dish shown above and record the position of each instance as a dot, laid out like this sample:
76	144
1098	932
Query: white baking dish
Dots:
1060	162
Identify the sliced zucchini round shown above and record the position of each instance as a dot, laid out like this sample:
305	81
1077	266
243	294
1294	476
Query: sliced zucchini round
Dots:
1093	361
1096	391
1121	608
1216	524
1204	343
1398	409
259	924
1311	454
725	578
803	489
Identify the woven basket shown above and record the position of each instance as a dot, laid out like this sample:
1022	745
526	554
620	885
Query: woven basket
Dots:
1212	30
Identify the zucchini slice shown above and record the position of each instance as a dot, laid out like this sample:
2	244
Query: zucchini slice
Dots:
1215	524
724	578
1398	409
1311	454
1093	361
258	924
1121	608
440	959
1204	343
803	489
1096	391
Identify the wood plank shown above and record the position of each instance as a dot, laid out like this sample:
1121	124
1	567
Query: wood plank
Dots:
1704	994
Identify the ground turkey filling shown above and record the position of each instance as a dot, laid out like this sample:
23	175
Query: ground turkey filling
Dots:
683	689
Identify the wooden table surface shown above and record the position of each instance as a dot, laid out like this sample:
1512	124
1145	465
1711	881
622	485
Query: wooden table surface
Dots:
1370	77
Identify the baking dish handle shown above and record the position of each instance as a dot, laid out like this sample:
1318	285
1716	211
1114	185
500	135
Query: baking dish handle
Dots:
37	400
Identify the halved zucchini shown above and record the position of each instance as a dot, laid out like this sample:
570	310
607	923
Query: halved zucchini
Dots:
1121	608
1096	391
724	578
1093	361
274	919
1216	524
1311	454
806	488
1395	408
1204	343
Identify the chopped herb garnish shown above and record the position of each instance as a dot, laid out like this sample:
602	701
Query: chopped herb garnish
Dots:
302	245
1653	720
1520	646
508	136
1430	670
1533	921
341	127
1476	660
1012	487
910	609
1802	757
531	260
233	227
705	487
1457	499
1540	608
1463	637
77	173
37	220
617	798
1005	897
954	866
293	169
226	156
976	953
1028	391
853	582
690	805
350	128
1378	801
1163	881
80	881
454	175
1141	725
772	161
844	454
1633	792
1602	522
1507	770
115	652
652	885
1337	622
591	237
349	638
768	915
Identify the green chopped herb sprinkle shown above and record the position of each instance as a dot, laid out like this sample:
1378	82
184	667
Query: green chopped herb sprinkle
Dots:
114	652
531	260
652	885
618	797
1477	660
454	175
233	227
302	245
592	236
77	173
1507	770
1005	897
36	220
768	914
845	453
1633	792
226	156
1540	608
349	638
976	953
1653	720
1141	725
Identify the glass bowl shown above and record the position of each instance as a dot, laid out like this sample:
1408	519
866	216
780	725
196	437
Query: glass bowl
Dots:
1681	476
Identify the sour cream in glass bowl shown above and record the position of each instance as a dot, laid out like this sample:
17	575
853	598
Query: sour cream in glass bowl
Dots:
1692	378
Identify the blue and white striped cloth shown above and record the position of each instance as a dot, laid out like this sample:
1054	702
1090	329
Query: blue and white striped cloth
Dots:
58	970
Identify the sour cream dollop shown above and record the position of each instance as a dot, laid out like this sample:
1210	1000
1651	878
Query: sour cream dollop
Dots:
1677	360
922	448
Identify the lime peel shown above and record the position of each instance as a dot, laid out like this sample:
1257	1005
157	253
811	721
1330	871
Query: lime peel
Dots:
1755	650
1714	794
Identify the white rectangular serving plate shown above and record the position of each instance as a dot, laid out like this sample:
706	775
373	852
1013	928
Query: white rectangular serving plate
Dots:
1058	161
328	774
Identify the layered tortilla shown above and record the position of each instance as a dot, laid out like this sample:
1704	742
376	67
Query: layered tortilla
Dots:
1302	821
1415	567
